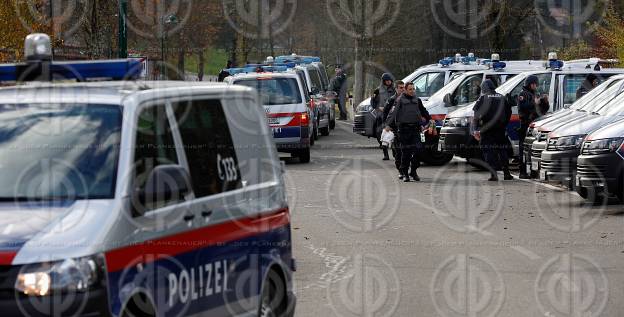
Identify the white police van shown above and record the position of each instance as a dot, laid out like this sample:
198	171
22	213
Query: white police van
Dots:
427	79
135	198
286	103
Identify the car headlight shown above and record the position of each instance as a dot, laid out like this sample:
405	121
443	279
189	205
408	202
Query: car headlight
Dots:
78	275
541	136
364	108
602	146
458	122
533	132
566	143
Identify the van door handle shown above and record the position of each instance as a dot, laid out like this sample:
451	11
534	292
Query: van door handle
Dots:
189	217
206	214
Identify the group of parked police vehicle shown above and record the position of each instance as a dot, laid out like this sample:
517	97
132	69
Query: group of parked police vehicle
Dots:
296	94
579	143
126	197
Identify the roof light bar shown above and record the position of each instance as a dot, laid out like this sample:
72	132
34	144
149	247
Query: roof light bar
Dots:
123	69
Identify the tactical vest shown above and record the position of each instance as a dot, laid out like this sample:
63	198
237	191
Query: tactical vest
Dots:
409	111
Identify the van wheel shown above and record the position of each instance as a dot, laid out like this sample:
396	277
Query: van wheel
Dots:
325	131
304	155
436	158
582	191
274	299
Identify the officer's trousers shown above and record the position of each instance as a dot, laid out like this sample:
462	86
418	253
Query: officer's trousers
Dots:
494	147
411	149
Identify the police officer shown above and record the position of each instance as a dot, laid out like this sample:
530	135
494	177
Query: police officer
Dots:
388	110
590	82
409	117
529	108
338	85
491	116
224	73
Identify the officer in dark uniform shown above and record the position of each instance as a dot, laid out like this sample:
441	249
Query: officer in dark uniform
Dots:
224	73
529	108
491	116
388	109
409	117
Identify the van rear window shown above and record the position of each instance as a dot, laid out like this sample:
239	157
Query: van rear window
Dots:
275	91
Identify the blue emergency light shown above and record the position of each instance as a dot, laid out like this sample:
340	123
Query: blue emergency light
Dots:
253	69
555	64
446	62
123	69
498	65
297	59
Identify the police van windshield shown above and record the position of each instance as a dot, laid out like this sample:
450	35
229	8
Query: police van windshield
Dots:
58	152
598	97
274	91
614	107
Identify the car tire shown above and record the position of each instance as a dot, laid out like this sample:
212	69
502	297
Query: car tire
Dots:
324	131
273	300
304	155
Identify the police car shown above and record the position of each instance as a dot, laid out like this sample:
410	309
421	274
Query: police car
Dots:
135	198
600	169
287	105
427	80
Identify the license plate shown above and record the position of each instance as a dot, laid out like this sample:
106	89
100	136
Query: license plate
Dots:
578	182
535	166
528	167
439	147
273	121
543	175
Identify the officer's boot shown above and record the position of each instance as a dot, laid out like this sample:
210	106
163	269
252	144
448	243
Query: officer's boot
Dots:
508	176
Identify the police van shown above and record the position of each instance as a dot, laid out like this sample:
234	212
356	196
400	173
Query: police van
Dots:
287	104
427	80
318	82
600	171
137	198
561	85
555	80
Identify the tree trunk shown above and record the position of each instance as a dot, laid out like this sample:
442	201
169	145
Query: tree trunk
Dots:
181	56
359	77
200	66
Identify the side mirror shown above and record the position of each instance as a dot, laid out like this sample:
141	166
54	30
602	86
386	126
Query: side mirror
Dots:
166	183
448	100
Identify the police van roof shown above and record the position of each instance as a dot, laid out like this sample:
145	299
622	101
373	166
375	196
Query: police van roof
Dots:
112	93
287	74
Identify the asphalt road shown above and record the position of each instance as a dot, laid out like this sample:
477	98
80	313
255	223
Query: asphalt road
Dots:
451	245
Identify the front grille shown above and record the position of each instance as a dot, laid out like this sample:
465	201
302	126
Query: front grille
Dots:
359	123
561	166
592	171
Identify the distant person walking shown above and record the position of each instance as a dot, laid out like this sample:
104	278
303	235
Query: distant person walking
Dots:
339	86
224	73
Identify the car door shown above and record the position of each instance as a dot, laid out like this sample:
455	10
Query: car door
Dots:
164	222
224	246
